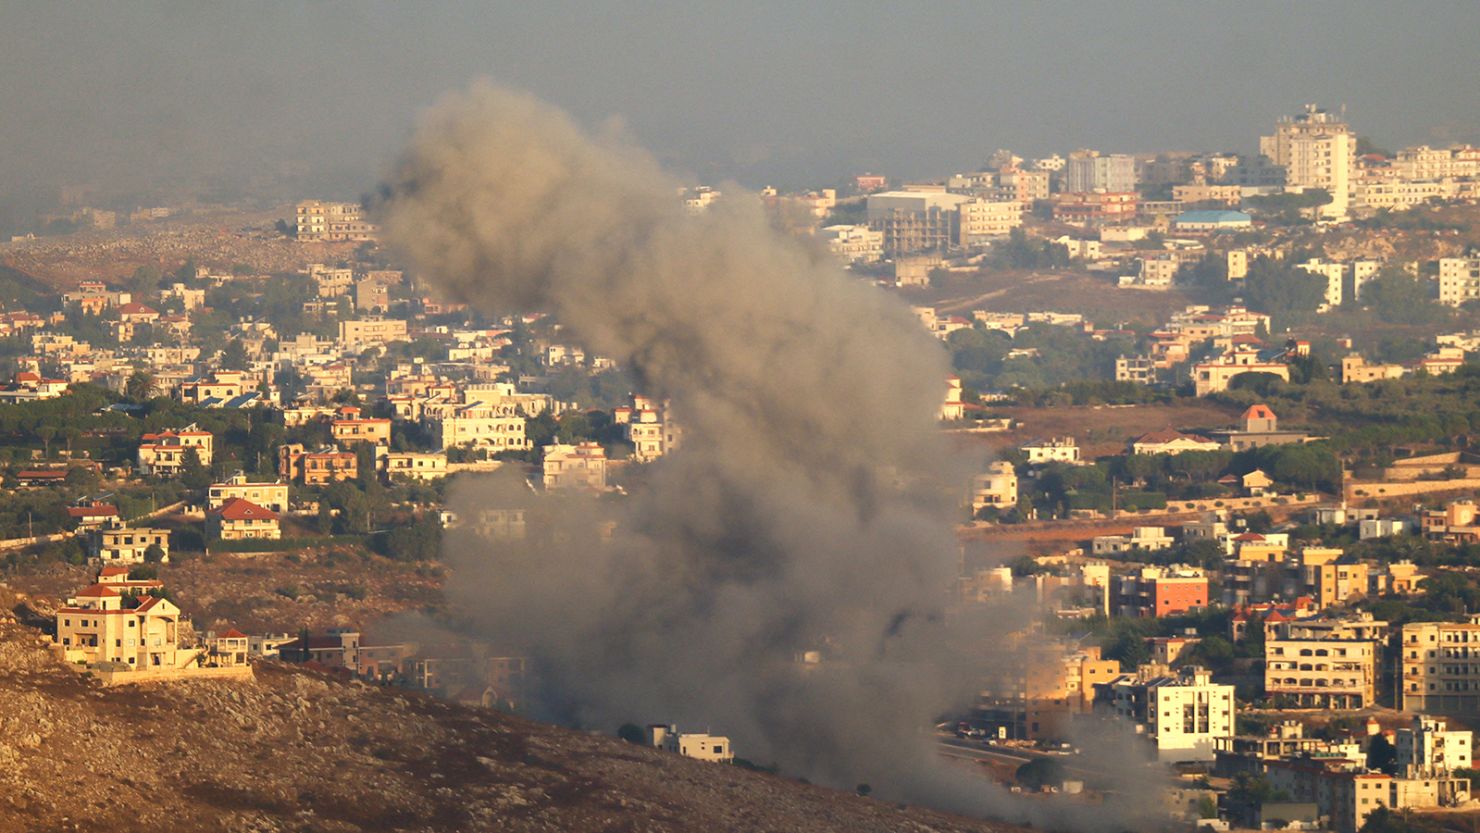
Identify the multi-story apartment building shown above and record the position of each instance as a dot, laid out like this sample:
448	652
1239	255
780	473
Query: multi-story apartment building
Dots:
1317	150
1140	370
351	429
1185	715
364	332
332	221
1459	280
1037	689
1324	662
997	488
479	425
916	221
982	221
1088	170
1440	664
1161	591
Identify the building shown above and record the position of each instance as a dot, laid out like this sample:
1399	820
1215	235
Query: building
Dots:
1168	441
1138	370
350	428
1317	150
1260	428
357	334
1215	376
1204	193
703	747
916	221
1054	450
1356	370
1161	591
996	489
117	544
1324	663
1335	275
1429	749
1440	672
321	221
853	243
1459	280
1346	793
1205	221
575	466
272	495
414	465
982	221
1185	715
1144	538
1039	688
316	468
1088	170
102	625
1095	208
239	519
479	425
164	454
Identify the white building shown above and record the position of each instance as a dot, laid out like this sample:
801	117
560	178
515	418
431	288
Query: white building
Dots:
1183	715
703	747
1055	450
853	243
1429	749
997	488
1459	280
1317	150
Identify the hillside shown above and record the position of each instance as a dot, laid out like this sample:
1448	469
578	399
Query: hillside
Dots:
297	751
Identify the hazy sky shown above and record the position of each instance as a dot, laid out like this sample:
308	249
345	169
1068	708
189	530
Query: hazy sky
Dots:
785	93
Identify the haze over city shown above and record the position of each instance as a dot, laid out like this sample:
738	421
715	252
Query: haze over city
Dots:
966	419
250	96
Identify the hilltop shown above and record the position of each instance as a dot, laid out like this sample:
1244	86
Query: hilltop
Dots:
294	750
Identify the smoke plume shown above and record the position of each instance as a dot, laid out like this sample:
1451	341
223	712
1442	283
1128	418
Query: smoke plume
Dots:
811	506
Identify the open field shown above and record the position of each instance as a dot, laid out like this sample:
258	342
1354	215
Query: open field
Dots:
1100	429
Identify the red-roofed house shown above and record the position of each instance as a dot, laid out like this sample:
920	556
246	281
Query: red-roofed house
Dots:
136	313
239	519
164	453
97	625
92	514
1260	418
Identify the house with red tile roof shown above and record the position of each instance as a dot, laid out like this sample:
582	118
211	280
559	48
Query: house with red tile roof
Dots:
239	519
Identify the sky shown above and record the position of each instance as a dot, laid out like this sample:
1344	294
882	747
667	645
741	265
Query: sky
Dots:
269	97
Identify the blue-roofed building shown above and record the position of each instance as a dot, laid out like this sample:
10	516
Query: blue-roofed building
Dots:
1212	221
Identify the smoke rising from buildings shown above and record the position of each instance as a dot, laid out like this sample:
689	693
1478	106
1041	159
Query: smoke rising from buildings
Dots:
810	508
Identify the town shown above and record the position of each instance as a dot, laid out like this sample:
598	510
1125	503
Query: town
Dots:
1223	406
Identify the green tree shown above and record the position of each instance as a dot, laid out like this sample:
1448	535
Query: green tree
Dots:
1381	755
140	386
193	473
632	733
1287	293
234	356
1397	297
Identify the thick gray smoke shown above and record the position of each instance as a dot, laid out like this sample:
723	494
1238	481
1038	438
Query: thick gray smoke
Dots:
806	509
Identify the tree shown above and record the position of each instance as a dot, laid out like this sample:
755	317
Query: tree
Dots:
193	473
1381	755
632	733
154	554
45	433
234	356
1288	293
140	386
1397	297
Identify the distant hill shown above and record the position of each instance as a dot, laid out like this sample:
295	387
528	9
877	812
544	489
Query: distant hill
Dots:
298	751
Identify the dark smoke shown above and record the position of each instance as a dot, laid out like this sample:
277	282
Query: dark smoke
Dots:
810	508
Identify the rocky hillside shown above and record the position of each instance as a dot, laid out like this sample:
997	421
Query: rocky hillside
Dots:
296	751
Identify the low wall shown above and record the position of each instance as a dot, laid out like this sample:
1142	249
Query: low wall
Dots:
170	675
1379	489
